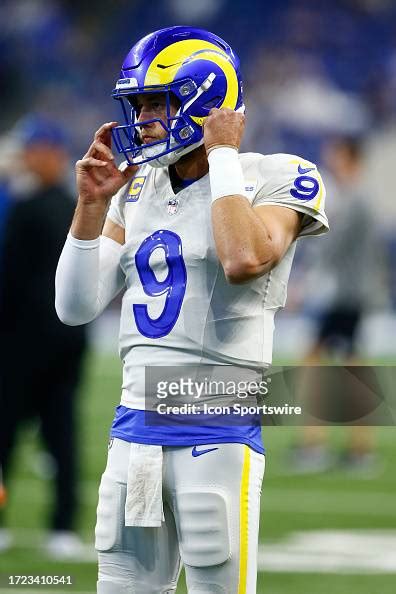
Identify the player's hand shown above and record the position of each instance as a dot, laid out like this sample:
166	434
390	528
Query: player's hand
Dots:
98	177
223	127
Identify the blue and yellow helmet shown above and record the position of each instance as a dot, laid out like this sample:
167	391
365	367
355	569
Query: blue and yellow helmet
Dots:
198	68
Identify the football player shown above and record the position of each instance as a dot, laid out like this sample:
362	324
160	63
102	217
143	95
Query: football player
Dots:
203	239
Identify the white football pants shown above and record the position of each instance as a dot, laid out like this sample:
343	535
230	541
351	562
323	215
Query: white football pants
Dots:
212	510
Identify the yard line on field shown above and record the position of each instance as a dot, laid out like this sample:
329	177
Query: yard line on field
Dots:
332	551
22	538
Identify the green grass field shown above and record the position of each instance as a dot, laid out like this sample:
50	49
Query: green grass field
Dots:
330	501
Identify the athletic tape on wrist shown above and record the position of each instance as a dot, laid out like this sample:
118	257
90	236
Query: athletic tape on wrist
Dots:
225	173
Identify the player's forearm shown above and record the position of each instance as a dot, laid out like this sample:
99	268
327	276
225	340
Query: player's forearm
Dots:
88	277
243	243
88	220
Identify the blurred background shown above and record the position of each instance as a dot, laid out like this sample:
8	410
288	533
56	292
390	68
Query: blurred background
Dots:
320	81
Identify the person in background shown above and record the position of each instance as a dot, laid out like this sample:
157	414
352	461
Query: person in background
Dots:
7	159
41	359
356	280
4	203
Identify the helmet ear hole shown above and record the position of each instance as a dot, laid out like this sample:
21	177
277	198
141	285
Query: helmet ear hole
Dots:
214	102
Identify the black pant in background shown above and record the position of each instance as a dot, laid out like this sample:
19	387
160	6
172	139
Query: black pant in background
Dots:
39	382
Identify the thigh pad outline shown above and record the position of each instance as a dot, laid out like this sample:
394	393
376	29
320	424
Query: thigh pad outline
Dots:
203	528
110	515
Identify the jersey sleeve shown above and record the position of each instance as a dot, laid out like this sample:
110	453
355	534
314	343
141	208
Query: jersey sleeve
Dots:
293	182
116	208
128	193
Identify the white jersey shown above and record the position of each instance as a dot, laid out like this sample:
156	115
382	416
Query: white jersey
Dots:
178	308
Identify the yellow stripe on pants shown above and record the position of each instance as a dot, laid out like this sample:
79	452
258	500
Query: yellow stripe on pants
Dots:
244	521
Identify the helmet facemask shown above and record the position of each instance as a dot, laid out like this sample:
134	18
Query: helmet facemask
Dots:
182	134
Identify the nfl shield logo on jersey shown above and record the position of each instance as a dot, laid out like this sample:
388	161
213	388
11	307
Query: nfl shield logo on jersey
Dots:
173	206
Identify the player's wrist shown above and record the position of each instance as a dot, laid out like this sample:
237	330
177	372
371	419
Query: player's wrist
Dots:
213	147
88	220
225	172
92	209
94	203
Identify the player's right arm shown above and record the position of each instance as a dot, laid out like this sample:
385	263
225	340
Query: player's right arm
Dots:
89	276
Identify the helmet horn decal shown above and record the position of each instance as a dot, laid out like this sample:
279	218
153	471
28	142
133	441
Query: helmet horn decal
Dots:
173	55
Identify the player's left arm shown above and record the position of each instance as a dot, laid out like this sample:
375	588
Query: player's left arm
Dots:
249	241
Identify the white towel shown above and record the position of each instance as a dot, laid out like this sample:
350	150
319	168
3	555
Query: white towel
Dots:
143	506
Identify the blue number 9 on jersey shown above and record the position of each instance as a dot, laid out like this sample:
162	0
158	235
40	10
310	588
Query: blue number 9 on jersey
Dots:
174	285
305	188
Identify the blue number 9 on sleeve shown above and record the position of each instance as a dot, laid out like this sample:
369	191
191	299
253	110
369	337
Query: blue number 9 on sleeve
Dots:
305	188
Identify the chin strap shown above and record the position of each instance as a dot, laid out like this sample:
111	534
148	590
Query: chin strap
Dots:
174	156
